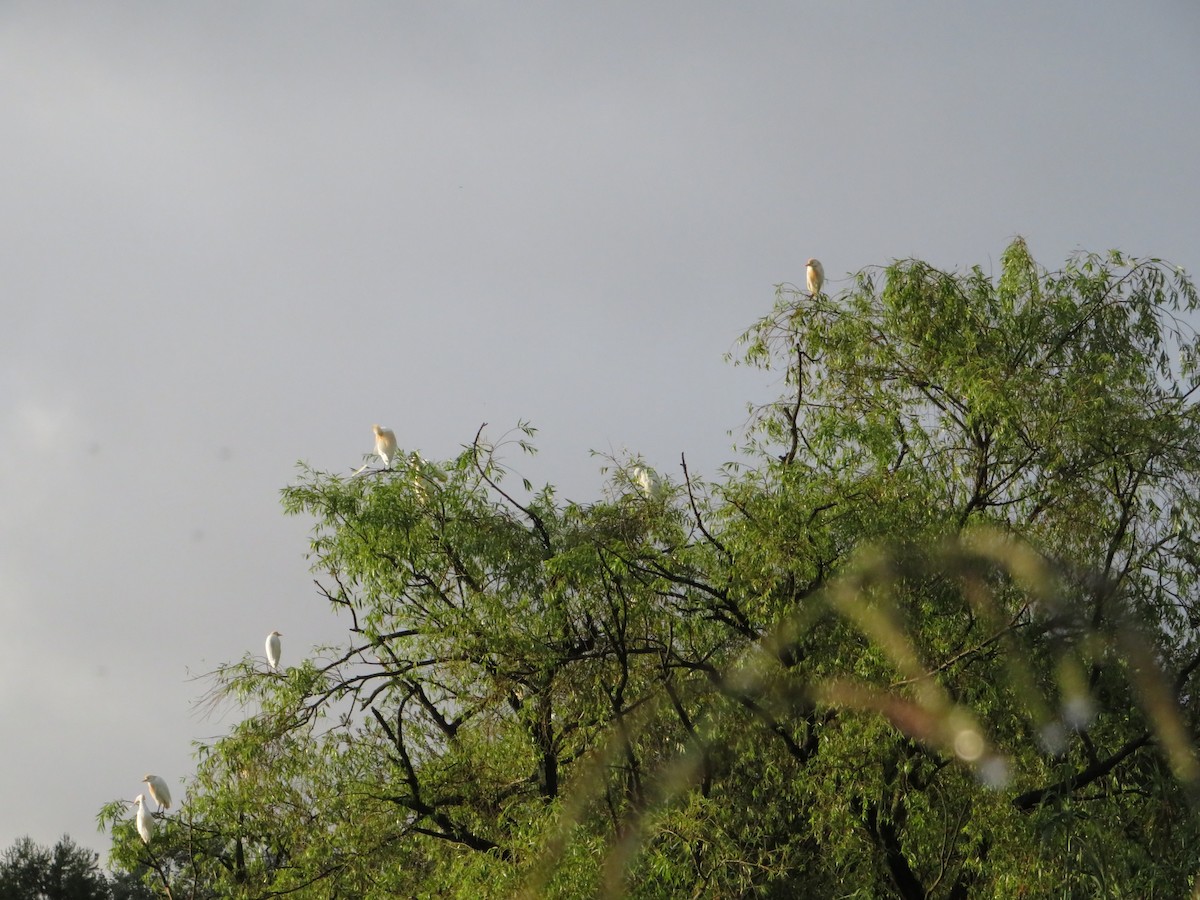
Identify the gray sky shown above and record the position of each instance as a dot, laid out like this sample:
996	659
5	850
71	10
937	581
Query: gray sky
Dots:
234	235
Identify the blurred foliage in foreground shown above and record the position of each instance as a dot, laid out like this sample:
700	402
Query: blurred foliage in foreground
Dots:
933	636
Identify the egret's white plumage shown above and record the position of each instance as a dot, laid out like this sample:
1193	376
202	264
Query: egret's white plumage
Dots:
385	444
816	276
426	475
273	648
647	481
159	791
145	825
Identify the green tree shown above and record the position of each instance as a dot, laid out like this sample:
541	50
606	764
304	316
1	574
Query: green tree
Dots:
65	871
931	635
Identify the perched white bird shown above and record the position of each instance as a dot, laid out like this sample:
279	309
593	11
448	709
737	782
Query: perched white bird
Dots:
816	276
426	475
273	648
145	825
159	791
385	444
647	481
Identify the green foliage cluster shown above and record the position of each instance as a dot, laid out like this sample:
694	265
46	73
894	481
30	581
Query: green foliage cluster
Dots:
932	636
66	871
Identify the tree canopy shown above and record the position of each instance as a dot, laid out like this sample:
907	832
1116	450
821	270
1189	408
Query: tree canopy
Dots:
930	634
66	871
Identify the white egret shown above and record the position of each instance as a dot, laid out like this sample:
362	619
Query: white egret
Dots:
273	648
145	825
159	791
426	475
385	443
816	276
647	481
